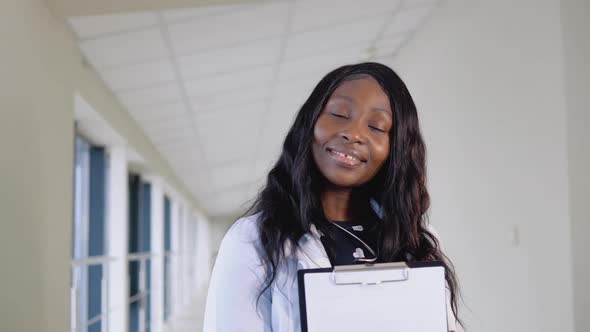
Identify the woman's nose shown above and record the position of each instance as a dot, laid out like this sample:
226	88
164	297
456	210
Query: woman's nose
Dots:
354	133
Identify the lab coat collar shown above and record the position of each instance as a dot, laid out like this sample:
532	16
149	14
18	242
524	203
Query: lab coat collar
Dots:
312	250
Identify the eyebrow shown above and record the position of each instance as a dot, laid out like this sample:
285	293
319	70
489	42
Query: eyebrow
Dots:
347	98
378	109
351	100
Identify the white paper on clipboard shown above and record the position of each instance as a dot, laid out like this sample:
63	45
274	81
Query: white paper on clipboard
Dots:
381	297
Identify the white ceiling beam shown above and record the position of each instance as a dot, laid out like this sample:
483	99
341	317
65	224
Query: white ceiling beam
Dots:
71	8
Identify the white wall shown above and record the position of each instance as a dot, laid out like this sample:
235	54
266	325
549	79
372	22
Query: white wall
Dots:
575	16
41	71
487	77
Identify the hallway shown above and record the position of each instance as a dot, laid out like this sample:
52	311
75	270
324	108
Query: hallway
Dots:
134	133
190	319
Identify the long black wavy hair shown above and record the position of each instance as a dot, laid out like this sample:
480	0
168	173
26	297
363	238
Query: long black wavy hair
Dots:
290	202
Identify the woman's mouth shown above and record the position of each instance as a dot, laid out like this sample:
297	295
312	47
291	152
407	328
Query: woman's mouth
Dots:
344	158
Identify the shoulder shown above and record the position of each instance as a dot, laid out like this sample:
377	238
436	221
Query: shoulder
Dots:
244	229
242	238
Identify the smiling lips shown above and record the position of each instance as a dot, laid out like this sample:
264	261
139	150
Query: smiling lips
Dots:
345	158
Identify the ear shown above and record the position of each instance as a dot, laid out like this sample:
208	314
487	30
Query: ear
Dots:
377	208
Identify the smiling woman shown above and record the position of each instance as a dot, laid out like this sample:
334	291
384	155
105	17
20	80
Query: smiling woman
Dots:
348	188
350	139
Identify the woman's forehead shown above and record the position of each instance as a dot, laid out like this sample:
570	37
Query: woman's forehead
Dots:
361	89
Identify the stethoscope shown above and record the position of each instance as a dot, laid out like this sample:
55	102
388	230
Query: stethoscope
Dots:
358	259
375	206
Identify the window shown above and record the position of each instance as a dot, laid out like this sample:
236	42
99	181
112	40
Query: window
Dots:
139	254
89	264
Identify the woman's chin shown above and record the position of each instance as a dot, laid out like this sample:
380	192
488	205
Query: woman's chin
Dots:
344	181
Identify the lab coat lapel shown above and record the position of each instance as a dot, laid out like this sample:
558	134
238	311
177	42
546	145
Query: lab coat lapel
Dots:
312	251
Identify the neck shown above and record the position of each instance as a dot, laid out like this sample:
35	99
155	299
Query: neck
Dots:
338	203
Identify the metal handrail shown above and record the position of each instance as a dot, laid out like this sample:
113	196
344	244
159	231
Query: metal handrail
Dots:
139	296
105	261
92	260
104	311
143	293
140	256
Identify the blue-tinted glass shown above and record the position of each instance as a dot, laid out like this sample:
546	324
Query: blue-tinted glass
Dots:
134	212
167	246
146	217
96	234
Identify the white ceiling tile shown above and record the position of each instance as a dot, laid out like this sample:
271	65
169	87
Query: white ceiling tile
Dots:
270	146
184	168
273	138
139	76
176	142
183	14
228	60
317	41
233	174
166	140
310	14
152	95
228	202
125	49
229	136
199	189
236	98
194	174
389	45
92	26
296	91
160	112
169	138
282	113
408	20
412	3
176	155
230	81
262	167
276	125
251	193
248	112
168	126
232	28
320	64
180	148
227	148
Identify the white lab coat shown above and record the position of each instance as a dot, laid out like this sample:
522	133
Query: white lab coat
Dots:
238	274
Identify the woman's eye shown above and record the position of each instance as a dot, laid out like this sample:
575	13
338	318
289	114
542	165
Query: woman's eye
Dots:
377	129
340	115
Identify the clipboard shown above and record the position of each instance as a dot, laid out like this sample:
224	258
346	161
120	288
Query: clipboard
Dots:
377	298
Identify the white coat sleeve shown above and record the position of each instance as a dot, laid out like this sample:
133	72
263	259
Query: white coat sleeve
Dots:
236	282
452	324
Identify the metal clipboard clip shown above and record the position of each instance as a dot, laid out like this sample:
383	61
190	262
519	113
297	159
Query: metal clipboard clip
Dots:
370	274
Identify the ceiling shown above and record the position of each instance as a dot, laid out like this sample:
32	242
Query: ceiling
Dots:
216	87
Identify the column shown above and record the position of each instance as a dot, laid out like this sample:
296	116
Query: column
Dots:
118	287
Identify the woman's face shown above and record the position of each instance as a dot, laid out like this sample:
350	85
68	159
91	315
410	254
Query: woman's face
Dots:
351	135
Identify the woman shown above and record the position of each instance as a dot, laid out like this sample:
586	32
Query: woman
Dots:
349	187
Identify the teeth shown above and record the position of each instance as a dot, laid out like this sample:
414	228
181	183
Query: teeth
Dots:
349	157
